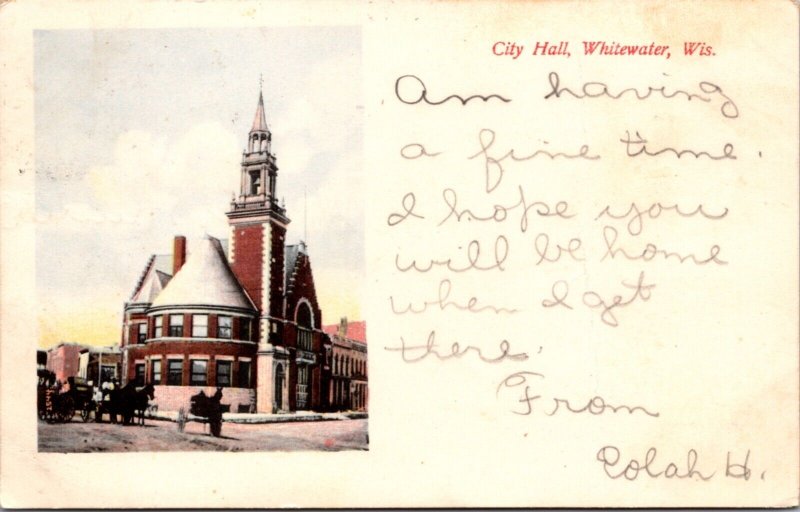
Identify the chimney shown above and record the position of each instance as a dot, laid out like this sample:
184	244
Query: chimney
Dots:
178	253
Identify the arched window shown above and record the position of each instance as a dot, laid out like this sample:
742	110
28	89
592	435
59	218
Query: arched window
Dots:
255	182
304	318
304	326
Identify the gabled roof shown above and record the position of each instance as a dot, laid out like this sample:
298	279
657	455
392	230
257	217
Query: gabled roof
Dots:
260	120
152	280
355	331
205	279
290	261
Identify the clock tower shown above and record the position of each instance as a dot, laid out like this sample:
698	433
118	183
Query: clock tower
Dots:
258	230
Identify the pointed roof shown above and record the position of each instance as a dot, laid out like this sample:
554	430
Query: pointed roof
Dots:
205	279
260	120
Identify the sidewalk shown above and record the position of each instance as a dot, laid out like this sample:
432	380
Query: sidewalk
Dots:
247	418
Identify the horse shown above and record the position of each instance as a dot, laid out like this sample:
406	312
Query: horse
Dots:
109	404
130	400
141	401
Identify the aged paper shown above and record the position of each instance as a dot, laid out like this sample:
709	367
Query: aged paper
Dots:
581	259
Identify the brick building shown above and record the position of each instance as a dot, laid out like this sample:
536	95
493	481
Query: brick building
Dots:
348	389
64	360
243	316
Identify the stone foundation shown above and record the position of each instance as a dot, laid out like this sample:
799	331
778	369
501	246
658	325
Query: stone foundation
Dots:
172	398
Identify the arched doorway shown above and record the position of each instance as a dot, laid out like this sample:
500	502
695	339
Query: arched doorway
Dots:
280	376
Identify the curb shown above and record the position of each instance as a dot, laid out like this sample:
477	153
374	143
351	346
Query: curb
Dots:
253	419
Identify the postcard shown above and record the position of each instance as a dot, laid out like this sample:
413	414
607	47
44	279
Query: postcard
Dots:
342	254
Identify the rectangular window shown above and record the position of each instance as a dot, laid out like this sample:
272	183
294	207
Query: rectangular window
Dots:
224	324
155	372
302	387
176	326
303	339
175	375
139	380
199	372
199	326
158	322
244	374
142	333
224	373
245	334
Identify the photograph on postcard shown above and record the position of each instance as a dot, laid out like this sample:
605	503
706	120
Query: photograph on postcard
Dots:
194	297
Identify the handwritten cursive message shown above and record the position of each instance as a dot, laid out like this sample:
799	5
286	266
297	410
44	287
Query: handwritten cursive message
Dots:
495	228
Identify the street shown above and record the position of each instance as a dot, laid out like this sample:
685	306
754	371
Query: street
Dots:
77	436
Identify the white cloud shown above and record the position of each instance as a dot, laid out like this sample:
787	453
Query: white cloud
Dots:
149	176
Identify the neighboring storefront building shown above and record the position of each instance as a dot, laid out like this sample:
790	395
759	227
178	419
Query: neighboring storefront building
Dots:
348	389
100	364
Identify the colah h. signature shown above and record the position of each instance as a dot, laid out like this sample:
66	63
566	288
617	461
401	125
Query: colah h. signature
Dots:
616	468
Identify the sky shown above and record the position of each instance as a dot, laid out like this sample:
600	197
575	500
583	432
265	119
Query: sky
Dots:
139	137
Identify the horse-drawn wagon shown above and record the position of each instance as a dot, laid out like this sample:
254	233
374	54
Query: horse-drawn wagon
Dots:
204	409
56	406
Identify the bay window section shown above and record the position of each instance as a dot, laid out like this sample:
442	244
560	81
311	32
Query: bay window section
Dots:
245	329
224	373
175	372
158	323
224	327
175	326
199	372
199	326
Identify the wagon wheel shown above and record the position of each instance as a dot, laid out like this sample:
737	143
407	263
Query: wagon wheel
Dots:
50	415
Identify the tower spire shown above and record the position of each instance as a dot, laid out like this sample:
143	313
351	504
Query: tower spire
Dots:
260	137
260	119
